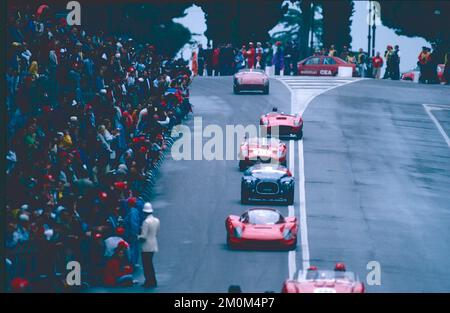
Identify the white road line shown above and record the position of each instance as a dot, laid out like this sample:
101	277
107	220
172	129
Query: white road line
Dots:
292	264
302	208
431	107
299	103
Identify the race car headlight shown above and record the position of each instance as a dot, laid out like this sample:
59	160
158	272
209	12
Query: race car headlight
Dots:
287	183
287	234
297	122
248	181
238	232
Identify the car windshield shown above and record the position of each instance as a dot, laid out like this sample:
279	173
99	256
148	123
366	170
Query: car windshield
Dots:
267	217
246	70
266	171
326	275
263	142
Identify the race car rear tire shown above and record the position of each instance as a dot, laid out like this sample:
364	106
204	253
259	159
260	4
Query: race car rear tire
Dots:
290	198
300	135
266	90
294	245
236	90
242	166
244	197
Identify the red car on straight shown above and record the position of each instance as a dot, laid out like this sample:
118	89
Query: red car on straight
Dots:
250	79
261	228
324	281
323	65
282	124
261	150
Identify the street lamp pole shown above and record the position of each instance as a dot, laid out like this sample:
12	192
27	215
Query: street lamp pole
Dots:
369	22
312	27
374	28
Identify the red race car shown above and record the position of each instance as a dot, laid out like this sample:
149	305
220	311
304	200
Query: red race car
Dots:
251	79
282	125
261	228
322	65
265	150
318	281
414	74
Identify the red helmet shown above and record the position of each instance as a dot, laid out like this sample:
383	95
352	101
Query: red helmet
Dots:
121	185
143	149
127	269
339	267
120	231
103	195
19	284
312	268
98	236
132	202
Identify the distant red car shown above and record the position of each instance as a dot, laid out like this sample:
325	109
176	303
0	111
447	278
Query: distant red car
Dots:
265	150
289	125
251	79
414	74
261	228
322	65
324	281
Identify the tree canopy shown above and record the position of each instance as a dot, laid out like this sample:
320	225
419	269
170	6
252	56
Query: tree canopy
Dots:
428	19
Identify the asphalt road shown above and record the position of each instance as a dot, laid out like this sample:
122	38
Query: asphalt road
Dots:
377	188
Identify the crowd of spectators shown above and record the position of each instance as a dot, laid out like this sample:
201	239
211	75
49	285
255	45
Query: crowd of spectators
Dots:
225	59
88	116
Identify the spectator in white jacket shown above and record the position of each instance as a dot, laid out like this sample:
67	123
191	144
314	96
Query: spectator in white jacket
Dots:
149	245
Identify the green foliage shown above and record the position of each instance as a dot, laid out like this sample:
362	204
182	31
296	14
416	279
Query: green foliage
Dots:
240	21
428	19
337	22
146	22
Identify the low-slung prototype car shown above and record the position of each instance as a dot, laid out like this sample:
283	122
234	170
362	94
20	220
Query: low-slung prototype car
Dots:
267	182
324	281
261	228
261	150
414	74
282	125
250	79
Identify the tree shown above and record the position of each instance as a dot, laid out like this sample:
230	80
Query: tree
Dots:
150	21
238	22
292	21
428	19
337	22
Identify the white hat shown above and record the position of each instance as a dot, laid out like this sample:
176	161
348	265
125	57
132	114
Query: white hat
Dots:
73	119
147	208
24	207
117	55
103	91
24	217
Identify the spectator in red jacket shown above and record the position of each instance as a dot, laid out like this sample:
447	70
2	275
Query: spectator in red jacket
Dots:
377	63
250	55
118	270
215	61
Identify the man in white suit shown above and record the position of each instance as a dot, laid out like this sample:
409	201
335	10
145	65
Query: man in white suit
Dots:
149	245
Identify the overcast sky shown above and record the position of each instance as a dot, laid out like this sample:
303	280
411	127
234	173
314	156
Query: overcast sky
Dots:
409	47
